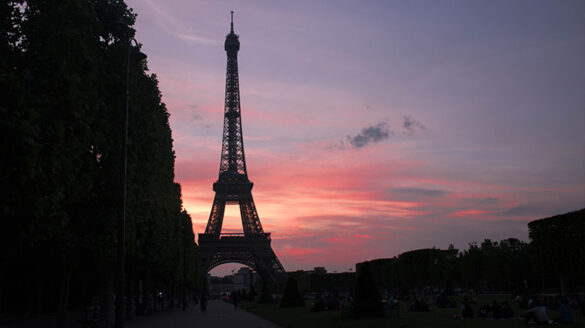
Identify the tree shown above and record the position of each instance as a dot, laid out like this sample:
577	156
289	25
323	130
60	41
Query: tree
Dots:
366	299
291	296
64	69
558	243
266	293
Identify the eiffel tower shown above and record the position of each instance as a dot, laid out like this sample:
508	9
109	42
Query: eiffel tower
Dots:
251	248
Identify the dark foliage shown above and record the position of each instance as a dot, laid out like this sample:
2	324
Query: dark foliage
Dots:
554	261
266	293
558	249
291	296
366	299
63	73
491	266
324	283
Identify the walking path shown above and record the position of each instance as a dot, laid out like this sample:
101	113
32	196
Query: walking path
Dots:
219	314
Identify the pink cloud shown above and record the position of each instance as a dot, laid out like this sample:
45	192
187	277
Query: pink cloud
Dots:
363	236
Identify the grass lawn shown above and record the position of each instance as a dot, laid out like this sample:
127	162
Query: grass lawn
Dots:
440	318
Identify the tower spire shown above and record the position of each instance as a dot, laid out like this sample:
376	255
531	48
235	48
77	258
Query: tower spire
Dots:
232	25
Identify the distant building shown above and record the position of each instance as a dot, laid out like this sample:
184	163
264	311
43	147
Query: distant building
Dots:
218	289
220	285
244	279
316	270
319	270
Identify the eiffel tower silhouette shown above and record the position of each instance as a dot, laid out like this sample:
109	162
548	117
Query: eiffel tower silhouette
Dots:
251	248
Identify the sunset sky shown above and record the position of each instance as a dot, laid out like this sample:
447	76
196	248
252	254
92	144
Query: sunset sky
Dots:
376	127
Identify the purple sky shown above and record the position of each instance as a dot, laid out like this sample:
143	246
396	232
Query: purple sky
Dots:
376	127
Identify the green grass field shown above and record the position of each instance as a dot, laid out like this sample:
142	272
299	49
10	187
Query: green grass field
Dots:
440	318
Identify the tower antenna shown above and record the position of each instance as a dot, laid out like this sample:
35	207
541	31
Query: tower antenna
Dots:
232	12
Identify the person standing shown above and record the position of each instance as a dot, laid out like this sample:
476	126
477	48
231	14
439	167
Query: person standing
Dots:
236	299
203	303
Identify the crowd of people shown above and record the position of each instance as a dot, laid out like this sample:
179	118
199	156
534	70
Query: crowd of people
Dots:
328	301
532	309
537	309
496	310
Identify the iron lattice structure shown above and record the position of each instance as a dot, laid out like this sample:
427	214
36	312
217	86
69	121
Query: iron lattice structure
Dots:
251	248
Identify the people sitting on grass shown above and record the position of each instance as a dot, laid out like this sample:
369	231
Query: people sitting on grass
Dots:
419	305
445	301
524	301
565	314
328	301
495	310
319	303
485	311
537	313
466	312
391	302
332	302
576	303
506	311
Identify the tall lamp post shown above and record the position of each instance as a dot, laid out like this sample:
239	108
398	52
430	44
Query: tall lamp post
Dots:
121	269
184	264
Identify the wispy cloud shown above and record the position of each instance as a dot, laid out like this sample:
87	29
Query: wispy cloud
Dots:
170	24
258	138
380	131
193	38
420	192
371	134
533	210
412	125
485	201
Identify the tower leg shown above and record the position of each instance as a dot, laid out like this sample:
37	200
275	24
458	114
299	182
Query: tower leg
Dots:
250	219
216	216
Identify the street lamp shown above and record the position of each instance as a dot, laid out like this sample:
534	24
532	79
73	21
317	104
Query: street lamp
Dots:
119	313
184	264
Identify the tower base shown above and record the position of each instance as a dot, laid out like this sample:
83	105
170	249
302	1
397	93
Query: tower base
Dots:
253	250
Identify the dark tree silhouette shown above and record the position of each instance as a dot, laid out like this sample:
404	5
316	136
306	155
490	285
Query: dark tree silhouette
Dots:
63	70
266	292
366	299
291	296
558	244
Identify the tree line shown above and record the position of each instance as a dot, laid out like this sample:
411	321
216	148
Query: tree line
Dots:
63	68
552	261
